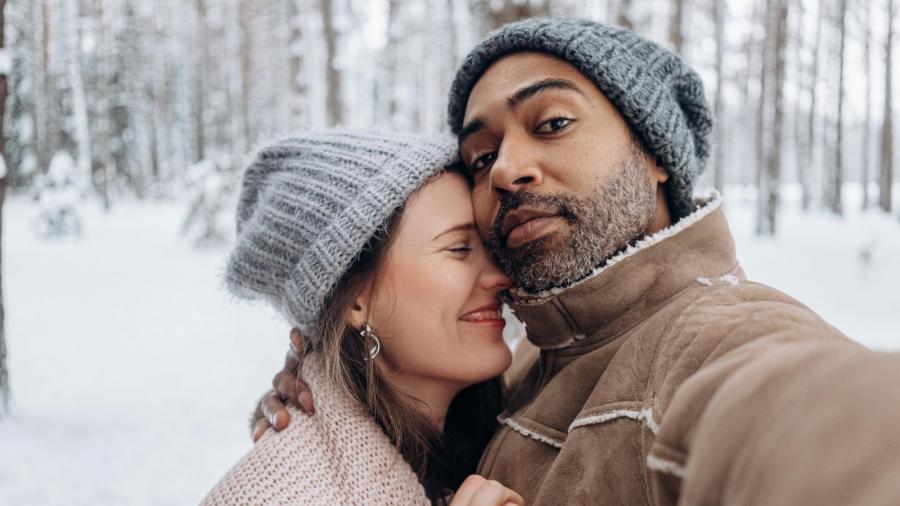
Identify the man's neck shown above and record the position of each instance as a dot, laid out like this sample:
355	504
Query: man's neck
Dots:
662	218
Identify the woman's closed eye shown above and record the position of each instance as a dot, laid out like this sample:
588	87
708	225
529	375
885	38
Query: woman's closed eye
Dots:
461	249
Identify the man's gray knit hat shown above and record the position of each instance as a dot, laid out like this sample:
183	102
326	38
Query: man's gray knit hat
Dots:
660	96
309	204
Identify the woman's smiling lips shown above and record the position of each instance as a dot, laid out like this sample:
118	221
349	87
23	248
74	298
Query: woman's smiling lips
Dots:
489	316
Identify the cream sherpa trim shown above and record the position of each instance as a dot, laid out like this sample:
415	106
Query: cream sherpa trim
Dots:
537	436
645	415
661	465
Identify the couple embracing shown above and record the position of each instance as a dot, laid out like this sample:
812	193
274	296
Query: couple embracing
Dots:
653	372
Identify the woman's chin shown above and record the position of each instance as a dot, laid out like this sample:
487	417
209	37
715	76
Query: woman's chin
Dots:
491	363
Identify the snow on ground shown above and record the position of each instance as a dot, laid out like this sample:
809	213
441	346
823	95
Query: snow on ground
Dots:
133	372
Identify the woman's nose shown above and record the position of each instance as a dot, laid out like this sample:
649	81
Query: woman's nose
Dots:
493	278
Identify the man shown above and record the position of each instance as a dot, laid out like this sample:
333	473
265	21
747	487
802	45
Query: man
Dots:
664	376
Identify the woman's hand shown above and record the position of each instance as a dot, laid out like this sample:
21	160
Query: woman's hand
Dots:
479	491
289	389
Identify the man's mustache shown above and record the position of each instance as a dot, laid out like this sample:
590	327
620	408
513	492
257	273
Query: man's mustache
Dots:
555	204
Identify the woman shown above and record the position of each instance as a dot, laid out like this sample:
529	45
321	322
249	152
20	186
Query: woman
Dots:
362	241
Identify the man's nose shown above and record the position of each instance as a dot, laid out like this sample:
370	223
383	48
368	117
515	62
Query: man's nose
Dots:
515	168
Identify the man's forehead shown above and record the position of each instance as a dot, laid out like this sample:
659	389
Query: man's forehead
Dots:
512	72
522	69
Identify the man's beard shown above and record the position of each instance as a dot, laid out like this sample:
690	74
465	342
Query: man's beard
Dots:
619	213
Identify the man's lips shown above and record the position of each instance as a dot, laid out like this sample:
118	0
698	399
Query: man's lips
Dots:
488	315
525	225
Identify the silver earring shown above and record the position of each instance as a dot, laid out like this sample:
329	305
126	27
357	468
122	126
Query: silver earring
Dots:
366	333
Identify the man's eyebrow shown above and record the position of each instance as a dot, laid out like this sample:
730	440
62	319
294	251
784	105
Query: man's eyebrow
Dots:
517	98
472	127
531	90
454	228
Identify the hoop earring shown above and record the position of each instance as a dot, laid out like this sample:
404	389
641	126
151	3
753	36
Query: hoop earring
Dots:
367	333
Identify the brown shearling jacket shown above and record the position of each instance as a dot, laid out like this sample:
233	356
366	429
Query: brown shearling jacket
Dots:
667	378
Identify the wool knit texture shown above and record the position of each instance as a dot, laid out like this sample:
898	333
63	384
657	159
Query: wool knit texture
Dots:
339	455
309	204
660	97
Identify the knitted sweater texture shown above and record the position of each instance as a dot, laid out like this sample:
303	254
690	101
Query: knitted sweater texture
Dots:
338	455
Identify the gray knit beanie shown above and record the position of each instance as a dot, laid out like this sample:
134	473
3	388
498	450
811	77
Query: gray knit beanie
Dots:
309	204
659	96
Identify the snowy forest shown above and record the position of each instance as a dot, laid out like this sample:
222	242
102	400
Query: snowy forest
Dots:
124	125
137	93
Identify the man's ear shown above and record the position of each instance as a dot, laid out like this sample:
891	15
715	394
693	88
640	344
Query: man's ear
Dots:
658	174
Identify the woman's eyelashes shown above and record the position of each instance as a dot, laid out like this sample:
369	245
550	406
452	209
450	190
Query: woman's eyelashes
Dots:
461	249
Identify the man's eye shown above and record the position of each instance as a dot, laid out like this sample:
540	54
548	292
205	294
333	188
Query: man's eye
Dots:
483	161
553	125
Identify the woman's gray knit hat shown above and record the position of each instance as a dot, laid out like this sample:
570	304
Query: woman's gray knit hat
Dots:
308	205
659	96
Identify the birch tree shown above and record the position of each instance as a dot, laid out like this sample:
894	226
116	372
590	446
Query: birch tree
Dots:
778	20
332	74
5	65
41	23
79	103
886	180
718	9
867	126
834	191
807	175
676	26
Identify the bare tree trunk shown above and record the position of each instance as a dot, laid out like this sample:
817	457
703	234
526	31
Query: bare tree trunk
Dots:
867	127
332	75
41	86
761	117
835	194
807	173
802	77
199	83
676	26
391	58
887	131
296	65
624	16
4	373
773	164
719	160
246	15
79	103
502	12
103	123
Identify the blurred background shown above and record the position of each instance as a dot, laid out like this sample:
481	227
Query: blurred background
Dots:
127	374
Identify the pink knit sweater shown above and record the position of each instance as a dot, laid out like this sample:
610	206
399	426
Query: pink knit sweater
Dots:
336	456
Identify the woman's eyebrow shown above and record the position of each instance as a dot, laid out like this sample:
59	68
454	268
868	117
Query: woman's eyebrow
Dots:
454	228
